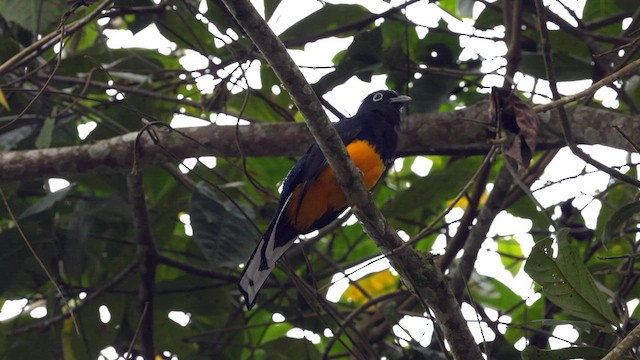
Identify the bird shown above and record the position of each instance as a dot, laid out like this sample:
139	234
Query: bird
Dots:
311	196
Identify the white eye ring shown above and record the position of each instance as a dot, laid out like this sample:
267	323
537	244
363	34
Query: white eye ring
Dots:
377	97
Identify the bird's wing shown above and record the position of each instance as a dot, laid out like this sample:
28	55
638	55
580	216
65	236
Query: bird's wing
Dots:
313	162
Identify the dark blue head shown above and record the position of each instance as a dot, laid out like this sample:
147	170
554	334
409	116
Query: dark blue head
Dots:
383	100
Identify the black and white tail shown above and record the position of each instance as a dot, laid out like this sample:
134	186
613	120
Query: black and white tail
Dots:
262	262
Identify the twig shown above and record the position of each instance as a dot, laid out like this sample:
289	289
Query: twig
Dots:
418	270
52	38
607	80
91	295
38	260
137	332
564	118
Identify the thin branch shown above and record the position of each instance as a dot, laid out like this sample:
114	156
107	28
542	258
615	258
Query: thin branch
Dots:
564	118
607	80
51	39
419	271
35	255
91	296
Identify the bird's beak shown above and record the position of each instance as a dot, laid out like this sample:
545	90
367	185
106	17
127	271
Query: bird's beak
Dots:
400	99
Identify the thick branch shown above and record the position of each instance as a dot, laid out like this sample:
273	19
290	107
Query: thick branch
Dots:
455	133
419	272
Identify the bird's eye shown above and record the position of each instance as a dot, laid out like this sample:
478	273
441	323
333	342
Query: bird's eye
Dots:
377	97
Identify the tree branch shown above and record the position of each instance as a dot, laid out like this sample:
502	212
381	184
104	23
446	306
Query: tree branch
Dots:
148	259
625	346
418	270
454	133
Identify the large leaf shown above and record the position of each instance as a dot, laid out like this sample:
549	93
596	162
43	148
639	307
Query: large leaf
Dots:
618	218
567	66
44	136
433	190
567	282
493	293
46	202
73	257
225	236
13	253
329	17
282	348
576	352
374	285
38	16
511	255
360	59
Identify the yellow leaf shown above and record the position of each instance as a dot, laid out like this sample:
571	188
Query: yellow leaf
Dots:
3	101
374	285
464	201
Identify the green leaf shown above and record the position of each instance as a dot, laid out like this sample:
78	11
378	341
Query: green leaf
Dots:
38	16
222	232
438	49
493	293
44	136
511	255
618	219
567	282
360	59
329	17
434	190
575	352
73	256
13	253
526	209
489	18
567	66
270	7
282	348
46	202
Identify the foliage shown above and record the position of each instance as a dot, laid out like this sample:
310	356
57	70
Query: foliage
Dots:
87	236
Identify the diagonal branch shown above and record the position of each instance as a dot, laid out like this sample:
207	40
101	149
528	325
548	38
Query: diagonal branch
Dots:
91	296
418	271
51	39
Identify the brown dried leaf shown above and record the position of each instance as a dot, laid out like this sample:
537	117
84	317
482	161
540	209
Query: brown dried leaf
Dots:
519	123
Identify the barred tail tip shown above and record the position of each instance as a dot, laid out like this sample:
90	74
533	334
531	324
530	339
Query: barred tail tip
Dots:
253	277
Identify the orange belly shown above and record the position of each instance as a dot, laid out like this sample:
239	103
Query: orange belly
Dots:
325	194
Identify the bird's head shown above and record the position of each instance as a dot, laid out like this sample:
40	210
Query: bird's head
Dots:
383	99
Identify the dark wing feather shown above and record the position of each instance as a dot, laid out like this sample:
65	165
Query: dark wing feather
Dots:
311	165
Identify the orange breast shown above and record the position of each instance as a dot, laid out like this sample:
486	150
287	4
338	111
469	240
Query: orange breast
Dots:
325	194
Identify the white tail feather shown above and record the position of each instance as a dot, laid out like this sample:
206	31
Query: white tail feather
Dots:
259	267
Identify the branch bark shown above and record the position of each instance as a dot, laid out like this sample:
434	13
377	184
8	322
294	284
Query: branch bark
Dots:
418	271
455	133
625	346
